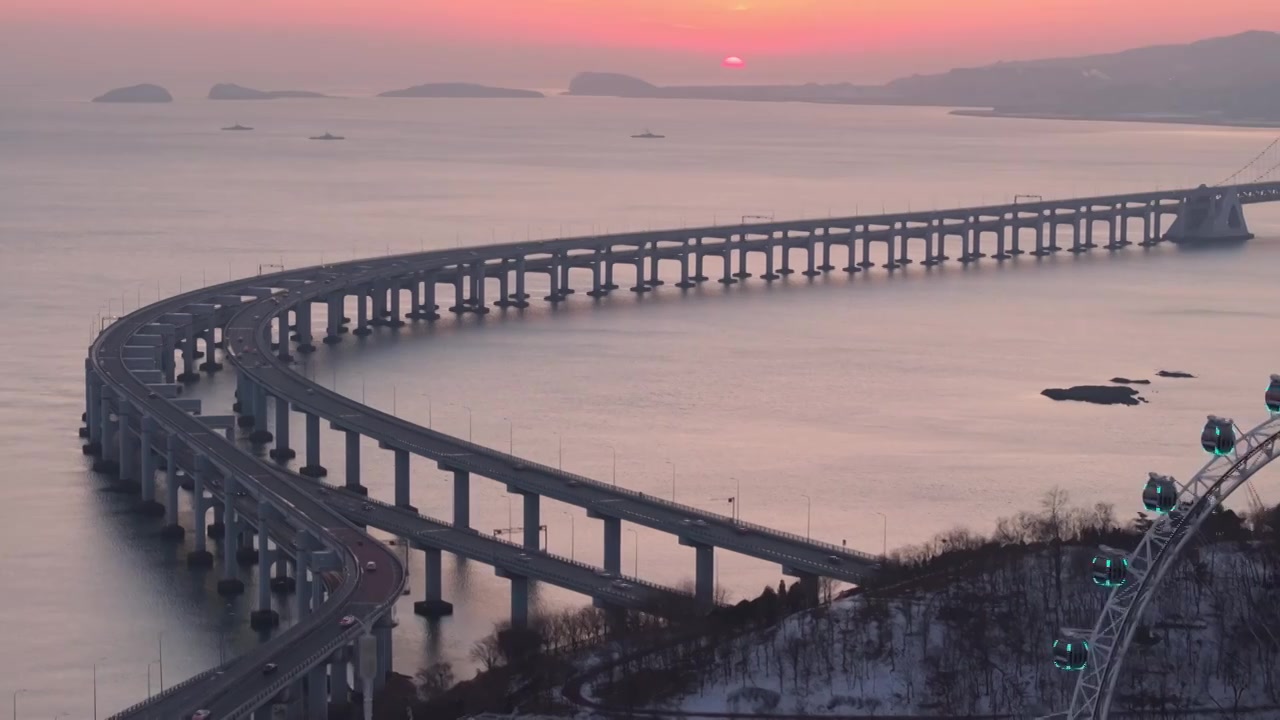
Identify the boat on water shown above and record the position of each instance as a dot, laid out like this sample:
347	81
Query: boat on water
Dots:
647	135
237	126
327	136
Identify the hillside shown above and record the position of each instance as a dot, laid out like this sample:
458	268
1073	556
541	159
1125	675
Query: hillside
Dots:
231	91
459	90
1225	79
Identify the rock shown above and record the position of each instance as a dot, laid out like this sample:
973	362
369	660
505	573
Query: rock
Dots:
1127	381
231	91
136	94
459	90
1096	394
1174	374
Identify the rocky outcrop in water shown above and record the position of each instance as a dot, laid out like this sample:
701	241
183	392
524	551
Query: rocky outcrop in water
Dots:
1096	394
144	93
231	91
1174	374
1127	381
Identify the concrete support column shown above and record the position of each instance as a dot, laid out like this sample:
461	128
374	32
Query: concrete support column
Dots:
641	286
769	275
402	479
429	306
189	373
92	403
727	254
609	284
230	584
553	276
378	301
397	318
147	465
383	634
433	603
532	520
200	556
317	694
106	428
282	451
812	270
809	589
264	617
171	527
504	282
301	570
459	299
519	602
283	582
613	545
685	280
362	315
124	451
742	258
521	297
461	498
478	304
826	250
704	584
339	682
333	331
353	463
313	468
415	299
260	432
303	332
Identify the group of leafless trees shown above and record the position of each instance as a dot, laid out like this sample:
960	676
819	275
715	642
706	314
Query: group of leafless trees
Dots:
962	624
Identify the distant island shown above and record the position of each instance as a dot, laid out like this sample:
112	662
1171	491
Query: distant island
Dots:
459	90
231	91
144	93
1231	80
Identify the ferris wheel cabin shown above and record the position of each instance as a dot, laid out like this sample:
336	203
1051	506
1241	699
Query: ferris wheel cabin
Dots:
1273	395
1110	570
1071	655
1218	436
1160	494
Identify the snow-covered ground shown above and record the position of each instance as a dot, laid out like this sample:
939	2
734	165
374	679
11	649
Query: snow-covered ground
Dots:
982	645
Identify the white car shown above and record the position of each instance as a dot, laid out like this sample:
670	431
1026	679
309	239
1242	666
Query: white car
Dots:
371	566
201	715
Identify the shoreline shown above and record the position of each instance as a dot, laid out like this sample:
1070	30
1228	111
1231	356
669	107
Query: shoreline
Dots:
1156	119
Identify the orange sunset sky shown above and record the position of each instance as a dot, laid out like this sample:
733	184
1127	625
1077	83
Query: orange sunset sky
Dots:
540	43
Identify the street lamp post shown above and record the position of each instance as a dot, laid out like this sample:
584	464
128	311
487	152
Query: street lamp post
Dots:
615	465
672	463
635	539
511	437
884	548
15	701
572	543
808	523
160	648
468	409
393	401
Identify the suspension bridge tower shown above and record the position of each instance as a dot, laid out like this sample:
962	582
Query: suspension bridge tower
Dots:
1210	216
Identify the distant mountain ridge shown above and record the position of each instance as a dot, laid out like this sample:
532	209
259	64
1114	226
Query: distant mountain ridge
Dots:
459	90
231	91
144	93
1233	78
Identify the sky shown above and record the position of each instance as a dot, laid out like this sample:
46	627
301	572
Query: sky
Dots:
353	45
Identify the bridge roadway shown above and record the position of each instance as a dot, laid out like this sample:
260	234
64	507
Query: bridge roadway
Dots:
251	329
308	642
631	593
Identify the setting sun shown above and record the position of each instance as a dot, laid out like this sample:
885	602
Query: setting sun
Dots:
733	62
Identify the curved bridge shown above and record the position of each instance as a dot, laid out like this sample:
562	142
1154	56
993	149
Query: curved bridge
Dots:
134	416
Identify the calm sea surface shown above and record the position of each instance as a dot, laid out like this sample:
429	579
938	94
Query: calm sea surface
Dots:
826	402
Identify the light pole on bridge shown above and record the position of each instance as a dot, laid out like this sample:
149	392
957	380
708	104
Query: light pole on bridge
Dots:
15	701
672	463
635	547
808	523
884	548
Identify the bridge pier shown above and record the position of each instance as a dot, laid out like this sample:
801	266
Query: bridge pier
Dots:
218	528
705	574
726	253
532	520
402	479
302	315
609	284
769	275
171	530
283	582
685	281
415	299
612	542
200	556
230	584
826	265
698	275
564	267
743	252
429	306
362	315
264	617
519	598
641	286
851	248
809	252
353	463
520	296
282	451
317	694
124	450
313	468
461	498
147	474
333	319
459	301
655	279
396	320
597	285
339	680
382	633
433	605
188	348
260	434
